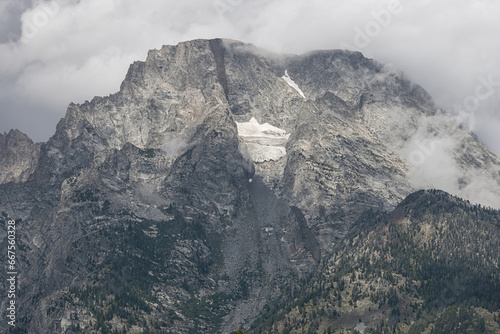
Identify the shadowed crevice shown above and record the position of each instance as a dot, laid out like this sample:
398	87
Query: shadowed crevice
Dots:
218	51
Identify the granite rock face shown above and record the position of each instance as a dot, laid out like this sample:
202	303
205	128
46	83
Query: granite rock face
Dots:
18	156
148	208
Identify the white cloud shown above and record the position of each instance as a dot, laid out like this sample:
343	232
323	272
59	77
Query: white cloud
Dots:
85	48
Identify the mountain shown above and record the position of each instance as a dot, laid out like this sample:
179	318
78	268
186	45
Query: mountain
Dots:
220	179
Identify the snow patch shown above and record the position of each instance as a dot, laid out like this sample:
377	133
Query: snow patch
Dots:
360	327
264	141
292	84
254	129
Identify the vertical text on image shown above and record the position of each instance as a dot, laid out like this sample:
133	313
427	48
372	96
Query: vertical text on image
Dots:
11	273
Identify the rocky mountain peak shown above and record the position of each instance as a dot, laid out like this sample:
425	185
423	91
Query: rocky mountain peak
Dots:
220	176
18	156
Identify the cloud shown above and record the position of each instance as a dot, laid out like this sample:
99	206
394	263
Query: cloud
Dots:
173	145
71	50
10	13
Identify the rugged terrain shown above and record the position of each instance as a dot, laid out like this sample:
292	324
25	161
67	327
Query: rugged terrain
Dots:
217	182
429	266
18	156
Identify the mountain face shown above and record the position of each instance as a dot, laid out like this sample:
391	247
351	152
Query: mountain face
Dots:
417	269
216	183
18	157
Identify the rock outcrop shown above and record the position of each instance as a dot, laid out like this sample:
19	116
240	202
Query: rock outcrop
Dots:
18	156
149	209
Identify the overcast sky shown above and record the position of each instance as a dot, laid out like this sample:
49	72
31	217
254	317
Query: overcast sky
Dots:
56	52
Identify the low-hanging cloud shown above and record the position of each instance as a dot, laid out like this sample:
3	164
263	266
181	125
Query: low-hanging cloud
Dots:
173	145
64	51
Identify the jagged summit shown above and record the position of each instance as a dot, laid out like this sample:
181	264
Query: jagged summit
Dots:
151	184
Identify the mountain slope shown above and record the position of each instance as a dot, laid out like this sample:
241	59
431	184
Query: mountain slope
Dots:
411	270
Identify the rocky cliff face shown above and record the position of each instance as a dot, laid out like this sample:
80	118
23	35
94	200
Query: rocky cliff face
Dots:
172	205
18	157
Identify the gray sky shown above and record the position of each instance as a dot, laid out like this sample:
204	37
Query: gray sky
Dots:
56	52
